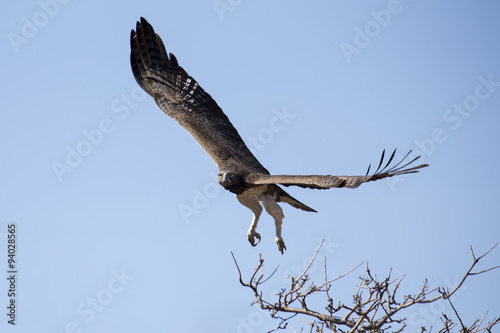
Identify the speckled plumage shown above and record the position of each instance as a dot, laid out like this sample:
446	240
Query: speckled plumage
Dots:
183	99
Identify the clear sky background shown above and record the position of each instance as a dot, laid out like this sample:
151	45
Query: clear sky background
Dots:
114	202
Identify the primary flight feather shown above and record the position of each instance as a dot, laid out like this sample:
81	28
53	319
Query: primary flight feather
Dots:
183	99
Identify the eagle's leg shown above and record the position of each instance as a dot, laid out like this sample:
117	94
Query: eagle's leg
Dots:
256	208
276	212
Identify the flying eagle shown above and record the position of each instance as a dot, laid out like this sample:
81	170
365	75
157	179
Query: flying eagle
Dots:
183	99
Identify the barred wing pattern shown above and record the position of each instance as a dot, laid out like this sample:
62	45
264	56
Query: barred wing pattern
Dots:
183	99
326	182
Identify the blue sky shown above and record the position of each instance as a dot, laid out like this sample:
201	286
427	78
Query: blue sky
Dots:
318	88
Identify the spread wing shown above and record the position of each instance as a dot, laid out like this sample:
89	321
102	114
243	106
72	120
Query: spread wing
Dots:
182	98
325	182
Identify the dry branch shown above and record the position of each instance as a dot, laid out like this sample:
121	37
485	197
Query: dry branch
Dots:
375	306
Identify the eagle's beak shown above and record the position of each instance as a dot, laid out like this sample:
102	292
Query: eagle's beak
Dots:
225	179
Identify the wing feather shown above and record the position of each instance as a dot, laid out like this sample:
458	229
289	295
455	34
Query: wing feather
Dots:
183	99
328	181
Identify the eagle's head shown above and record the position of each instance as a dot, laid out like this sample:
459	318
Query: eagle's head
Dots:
231	181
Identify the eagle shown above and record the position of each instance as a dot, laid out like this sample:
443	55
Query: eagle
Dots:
181	97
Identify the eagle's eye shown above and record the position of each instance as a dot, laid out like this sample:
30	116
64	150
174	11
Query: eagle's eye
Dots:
220	176
231	175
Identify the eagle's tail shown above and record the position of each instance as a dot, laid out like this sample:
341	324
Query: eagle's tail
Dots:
285	197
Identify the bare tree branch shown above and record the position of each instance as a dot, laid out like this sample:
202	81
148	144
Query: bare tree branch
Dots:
375	307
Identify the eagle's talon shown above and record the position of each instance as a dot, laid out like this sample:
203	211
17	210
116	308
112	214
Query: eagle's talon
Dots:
252	236
281	244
